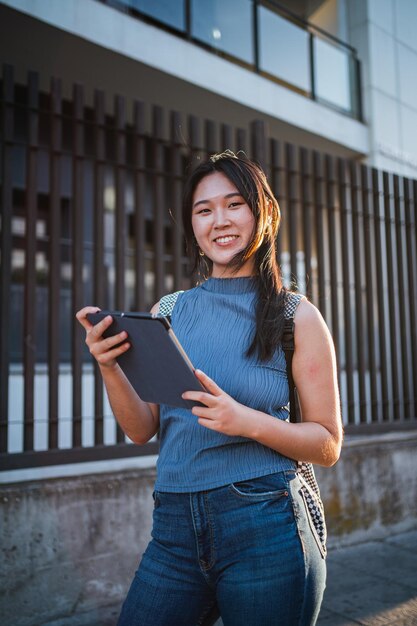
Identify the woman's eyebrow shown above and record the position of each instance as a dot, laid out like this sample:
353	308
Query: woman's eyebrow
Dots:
226	197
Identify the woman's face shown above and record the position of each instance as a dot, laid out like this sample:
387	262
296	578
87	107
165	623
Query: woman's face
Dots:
223	223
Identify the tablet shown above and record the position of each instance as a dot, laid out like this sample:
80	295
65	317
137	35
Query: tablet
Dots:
156	364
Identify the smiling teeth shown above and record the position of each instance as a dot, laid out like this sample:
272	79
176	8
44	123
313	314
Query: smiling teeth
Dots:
225	239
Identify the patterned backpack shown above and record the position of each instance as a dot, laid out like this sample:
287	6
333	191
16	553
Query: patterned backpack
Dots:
309	490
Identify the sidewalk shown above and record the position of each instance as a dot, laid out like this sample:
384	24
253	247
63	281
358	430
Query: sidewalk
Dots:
374	584
370	584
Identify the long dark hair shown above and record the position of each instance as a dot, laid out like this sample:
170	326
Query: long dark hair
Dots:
251	182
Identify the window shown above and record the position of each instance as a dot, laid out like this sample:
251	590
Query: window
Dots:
332	74
169	12
225	25
284	49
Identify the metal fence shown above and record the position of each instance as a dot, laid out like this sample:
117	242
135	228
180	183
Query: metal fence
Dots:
90	213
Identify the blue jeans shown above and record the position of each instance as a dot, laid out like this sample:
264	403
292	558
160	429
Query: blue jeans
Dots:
245	551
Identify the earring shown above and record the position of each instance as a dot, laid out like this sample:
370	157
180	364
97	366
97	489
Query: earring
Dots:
200	252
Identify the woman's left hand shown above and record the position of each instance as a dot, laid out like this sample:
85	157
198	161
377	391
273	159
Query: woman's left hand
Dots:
221	412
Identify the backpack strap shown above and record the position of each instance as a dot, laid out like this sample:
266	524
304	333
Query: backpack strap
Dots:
167	303
288	346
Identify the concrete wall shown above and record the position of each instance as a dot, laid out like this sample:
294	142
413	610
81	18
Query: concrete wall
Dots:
372	491
383	32
71	544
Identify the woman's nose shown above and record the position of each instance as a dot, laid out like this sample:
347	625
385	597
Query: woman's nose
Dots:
221	218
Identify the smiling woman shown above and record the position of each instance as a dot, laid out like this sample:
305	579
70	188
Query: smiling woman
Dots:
223	224
232	532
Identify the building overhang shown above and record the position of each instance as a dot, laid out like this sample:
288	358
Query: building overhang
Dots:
119	32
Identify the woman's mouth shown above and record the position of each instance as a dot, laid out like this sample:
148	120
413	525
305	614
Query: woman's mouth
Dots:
225	239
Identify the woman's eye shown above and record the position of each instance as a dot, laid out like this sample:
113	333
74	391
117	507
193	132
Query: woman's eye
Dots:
234	205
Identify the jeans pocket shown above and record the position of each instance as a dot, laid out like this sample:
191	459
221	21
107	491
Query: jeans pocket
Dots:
264	488
315	516
156	501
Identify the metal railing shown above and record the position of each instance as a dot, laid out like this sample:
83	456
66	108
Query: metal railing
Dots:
267	38
90	213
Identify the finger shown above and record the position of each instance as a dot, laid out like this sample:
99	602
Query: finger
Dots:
202	412
104	358
106	344
198	396
207	423
82	316
208	383
98	330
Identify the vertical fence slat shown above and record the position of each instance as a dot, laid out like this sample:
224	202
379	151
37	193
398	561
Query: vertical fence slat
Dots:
29	332
159	200
410	229
258	143
368	217
392	282
381	277
210	143
194	139
331	187
277	184
357	222
306	212
318	184
98	247
120	235
403	339
6	125
346	241
414	210
139	176
77	258
226	137
194	149
54	260
292	206
241	140
121	242
176	195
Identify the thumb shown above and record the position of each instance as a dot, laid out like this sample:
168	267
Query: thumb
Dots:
208	383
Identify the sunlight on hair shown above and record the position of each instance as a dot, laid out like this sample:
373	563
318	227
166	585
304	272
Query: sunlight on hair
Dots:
228	154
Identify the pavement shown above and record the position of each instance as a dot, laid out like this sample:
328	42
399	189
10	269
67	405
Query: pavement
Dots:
373	584
370	584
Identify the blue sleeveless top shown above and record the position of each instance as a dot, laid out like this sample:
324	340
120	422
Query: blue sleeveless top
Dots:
215	323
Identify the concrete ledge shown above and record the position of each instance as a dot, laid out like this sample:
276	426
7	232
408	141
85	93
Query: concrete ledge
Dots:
70	544
78	469
371	492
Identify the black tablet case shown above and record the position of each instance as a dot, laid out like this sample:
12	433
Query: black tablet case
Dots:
154	364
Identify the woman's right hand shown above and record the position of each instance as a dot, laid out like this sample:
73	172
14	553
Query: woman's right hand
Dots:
104	350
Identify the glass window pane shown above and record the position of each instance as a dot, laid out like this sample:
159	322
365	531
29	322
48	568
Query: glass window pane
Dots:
284	49
170	12
225	25
331	74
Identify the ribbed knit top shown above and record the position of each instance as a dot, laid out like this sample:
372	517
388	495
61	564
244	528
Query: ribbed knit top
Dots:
215	323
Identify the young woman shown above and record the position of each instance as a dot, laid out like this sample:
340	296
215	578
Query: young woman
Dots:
231	532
